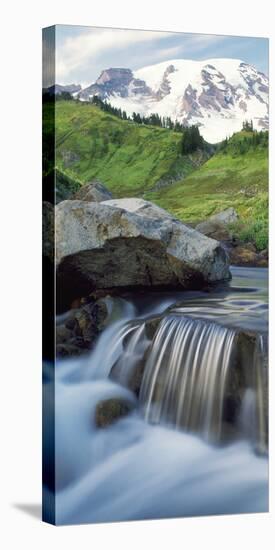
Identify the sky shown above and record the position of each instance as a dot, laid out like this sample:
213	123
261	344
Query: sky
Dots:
83	52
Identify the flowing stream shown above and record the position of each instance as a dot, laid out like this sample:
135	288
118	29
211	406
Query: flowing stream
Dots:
193	367
186	372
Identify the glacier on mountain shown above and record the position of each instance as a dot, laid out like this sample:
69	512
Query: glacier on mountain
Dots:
215	94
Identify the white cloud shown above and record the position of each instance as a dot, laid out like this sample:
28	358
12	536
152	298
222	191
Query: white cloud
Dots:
199	42
78	51
83	53
188	45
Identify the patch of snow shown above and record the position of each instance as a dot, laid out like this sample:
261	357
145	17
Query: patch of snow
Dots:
232	78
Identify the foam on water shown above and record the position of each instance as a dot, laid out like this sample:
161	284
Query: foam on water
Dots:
138	470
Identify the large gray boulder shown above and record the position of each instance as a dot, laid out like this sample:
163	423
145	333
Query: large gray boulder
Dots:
226	216
218	226
215	230
139	206
132	243
93	191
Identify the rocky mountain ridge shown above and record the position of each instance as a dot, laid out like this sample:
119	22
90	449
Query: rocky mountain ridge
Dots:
217	95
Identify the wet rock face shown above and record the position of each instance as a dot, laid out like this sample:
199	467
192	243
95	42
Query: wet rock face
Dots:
133	380
131	243
78	331
93	191
246	255
111	410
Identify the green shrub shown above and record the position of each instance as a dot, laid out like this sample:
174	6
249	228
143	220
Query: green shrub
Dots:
253	231
257	233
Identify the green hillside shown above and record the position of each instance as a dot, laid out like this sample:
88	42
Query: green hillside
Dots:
237	175
140	160
226	179
129	158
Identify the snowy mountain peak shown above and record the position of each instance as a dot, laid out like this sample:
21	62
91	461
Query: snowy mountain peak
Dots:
216	94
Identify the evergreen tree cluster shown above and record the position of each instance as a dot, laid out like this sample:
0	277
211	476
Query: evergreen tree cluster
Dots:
248	125
108	108
50	97
63	96
155	120
151	120
241	144
191	140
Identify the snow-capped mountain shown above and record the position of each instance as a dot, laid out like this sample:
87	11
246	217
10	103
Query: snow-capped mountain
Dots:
217	94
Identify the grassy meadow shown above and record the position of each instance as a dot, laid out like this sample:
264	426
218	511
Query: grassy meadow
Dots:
146	161
128	158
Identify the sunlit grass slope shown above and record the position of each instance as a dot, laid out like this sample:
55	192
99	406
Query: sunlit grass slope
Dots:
229	178
146	161
128	158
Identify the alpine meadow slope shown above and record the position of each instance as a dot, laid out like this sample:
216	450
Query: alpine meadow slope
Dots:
146	161
235	176
155	272
129	158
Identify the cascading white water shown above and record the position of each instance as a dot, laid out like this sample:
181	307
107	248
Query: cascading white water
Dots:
132	353
253	413
136	470
260	390
186	373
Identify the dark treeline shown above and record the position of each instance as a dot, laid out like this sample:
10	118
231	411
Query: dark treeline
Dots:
191	138
50	97
155	120
191	141
108	108
151	120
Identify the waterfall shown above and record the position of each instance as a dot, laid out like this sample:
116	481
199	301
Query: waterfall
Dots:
196	382
132	354
195	375
186	373
261	384
192	374
253	418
